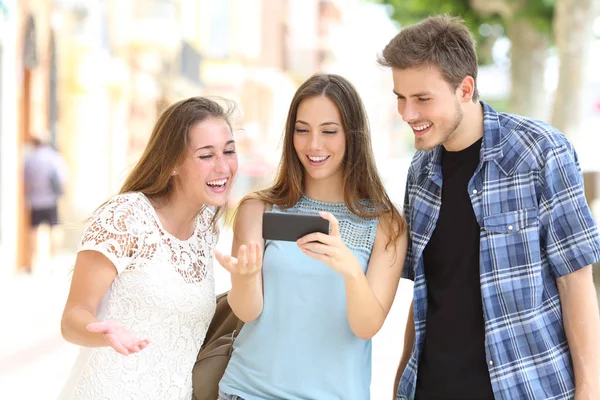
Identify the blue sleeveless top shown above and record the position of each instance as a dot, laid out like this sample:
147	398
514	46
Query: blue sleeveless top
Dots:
301	346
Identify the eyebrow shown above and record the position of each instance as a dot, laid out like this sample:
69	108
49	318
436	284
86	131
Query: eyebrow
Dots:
420	94
212	147
324	123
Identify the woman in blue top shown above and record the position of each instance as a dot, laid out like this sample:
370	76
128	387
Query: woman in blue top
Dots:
312	307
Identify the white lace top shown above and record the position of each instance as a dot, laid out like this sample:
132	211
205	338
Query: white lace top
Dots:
164	291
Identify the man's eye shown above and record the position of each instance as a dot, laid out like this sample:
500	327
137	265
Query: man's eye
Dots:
424	99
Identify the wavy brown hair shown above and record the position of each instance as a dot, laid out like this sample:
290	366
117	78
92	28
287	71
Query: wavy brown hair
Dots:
168	145
360	175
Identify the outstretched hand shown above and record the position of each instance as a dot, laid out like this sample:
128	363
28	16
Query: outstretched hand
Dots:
248	262
117	337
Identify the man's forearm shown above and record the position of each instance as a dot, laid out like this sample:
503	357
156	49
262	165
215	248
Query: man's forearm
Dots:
582	327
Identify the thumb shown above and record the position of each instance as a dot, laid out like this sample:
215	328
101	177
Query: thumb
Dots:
98	327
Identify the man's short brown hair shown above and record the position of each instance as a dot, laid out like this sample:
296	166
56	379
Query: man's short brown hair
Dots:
442	41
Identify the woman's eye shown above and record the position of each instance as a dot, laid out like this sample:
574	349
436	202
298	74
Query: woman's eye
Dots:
207	157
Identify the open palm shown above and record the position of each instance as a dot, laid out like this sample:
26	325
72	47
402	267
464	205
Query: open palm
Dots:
117	337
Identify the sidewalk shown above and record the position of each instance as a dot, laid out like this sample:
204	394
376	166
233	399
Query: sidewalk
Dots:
35	361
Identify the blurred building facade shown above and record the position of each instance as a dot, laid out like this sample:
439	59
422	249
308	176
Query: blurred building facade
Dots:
93	75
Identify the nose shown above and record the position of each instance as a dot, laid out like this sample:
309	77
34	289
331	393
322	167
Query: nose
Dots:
408	111
221	165
315	141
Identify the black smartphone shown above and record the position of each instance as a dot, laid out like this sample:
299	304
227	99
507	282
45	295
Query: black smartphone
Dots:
291	227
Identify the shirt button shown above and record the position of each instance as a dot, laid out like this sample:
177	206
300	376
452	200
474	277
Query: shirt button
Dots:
426	232
491	362
510	227
474	191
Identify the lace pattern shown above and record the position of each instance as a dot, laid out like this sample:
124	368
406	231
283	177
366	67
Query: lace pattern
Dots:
126	230
164	292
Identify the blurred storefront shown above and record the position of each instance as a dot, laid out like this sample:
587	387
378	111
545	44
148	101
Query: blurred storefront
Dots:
8	140
93	75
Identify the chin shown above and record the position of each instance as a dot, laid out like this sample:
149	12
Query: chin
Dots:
214	200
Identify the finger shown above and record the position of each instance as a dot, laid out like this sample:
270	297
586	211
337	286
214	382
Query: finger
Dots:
316	237
98	327
133	348
220	257
228	263
252	247
316	256
334	225
259	255
321	248
242	257
119	348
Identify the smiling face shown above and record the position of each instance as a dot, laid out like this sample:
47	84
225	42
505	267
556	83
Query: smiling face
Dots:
320	139
206	174
428	104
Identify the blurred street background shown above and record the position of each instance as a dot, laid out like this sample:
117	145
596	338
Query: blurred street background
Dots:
90	77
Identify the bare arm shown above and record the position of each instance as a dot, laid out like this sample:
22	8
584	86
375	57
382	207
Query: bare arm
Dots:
582	327
92	277
246	294
409	341
369	297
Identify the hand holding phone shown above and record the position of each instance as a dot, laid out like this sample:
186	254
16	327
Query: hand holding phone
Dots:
331	249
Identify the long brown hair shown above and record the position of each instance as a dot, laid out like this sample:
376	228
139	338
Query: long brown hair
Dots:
168	145
361	180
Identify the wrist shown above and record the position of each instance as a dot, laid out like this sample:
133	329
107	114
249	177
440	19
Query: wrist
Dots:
354	273
244	280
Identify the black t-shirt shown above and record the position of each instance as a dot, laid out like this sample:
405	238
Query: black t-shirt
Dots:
453	362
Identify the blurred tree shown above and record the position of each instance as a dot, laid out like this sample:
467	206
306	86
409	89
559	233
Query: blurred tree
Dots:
573	31
527	24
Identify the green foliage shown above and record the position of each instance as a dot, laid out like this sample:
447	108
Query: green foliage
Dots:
408	12
540	13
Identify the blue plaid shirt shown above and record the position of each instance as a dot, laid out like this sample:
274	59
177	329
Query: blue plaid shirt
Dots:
535	226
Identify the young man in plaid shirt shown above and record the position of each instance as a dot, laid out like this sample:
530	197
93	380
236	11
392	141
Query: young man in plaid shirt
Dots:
501	242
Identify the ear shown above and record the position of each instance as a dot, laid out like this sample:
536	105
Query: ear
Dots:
467	89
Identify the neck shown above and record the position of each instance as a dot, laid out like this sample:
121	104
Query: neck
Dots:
329	190
177	215
470	129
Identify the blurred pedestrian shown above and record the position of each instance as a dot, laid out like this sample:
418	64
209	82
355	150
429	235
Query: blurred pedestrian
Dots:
142	294
311	307
45	175
502	239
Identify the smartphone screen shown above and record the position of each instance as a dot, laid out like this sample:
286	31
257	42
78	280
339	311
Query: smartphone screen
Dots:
291	227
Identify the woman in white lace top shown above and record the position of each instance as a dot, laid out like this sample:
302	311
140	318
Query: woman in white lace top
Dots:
142	294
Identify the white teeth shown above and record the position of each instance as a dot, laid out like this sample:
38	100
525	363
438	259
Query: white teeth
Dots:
317	159
220	182
421	127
